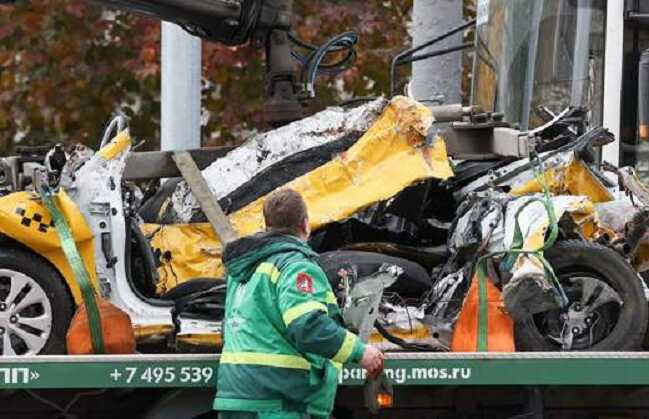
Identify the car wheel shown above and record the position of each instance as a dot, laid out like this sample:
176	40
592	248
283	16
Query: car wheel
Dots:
614	316
413	283
35	305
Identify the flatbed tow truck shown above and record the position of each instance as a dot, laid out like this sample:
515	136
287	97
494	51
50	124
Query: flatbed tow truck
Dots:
532	385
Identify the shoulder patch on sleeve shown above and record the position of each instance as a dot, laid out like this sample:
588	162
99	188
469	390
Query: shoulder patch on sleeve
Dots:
304	283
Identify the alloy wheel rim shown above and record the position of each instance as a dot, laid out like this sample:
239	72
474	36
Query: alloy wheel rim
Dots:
25	314
554	326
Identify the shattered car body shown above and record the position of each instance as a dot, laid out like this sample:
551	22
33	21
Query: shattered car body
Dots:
382	194
391	155
579	309
376	139
431	220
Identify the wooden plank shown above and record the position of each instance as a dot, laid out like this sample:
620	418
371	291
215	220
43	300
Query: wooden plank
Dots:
203	194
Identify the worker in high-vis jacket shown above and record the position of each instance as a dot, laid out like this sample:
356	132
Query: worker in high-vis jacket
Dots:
284	343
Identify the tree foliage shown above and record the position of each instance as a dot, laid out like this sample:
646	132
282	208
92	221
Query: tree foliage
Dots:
66	65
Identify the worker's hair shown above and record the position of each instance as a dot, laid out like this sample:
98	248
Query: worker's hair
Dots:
285	212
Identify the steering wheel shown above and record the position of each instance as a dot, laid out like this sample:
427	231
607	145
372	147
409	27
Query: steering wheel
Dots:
117	124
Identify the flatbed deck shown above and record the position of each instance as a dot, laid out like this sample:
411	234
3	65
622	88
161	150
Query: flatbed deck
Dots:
404	369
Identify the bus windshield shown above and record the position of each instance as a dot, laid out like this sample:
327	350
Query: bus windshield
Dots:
534	54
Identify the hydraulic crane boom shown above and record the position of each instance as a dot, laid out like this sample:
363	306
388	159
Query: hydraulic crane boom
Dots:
232	22
235	22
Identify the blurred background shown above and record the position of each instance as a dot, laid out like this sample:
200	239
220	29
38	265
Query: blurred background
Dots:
67	65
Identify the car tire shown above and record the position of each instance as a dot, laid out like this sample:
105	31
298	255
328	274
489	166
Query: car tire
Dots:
41	285
575	257
413	283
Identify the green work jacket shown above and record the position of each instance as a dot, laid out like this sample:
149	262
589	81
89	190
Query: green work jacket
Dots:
284	343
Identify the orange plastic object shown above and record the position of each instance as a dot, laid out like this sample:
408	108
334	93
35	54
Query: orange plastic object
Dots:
500	327
384	400
117	330
644	132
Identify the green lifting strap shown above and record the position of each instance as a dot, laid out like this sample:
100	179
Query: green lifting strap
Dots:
483	310
512	254
78	267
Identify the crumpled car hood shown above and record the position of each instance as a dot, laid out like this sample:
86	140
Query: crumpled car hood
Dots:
391	155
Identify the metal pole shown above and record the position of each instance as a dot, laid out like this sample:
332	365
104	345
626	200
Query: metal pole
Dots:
613	81
437	78
181	89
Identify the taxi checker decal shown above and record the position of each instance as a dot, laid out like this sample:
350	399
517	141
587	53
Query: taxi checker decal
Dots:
36	219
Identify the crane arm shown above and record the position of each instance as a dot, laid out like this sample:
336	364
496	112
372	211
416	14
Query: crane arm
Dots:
235	22
232	22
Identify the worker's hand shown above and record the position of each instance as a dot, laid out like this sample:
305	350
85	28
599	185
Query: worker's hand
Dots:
372	361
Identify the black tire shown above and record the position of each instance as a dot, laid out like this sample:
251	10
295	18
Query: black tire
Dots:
52	283
190	287
575	258
414	282
645	343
